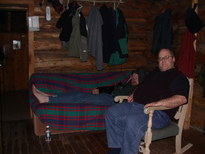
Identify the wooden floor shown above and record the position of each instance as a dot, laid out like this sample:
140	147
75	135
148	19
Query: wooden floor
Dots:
18	138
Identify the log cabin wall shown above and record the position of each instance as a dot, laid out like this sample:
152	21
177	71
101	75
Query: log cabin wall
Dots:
50	57
140	16
198	106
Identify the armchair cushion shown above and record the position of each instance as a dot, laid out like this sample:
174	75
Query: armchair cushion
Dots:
171	130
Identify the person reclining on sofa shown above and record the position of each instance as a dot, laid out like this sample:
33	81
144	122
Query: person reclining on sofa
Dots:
99	96
123	89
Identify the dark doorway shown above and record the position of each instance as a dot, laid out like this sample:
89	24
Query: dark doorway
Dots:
14	46
14	63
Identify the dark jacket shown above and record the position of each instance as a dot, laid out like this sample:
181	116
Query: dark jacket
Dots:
162	32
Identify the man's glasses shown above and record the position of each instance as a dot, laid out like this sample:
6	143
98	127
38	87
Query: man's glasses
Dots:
164	58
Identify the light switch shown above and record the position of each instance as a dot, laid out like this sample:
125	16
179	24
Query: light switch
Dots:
33	22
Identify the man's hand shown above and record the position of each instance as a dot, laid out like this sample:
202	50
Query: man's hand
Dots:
130	98
95	91
152	104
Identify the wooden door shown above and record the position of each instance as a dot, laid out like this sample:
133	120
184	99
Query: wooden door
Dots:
14	43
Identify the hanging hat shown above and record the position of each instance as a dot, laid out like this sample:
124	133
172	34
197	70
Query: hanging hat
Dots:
193	22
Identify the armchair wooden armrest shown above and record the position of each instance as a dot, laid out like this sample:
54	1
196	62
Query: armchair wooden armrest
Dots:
120	98
149	109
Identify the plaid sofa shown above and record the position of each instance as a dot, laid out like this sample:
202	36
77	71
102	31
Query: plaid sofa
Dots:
74	116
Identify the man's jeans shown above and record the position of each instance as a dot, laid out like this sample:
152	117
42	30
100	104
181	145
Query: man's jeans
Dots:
80	97
126	124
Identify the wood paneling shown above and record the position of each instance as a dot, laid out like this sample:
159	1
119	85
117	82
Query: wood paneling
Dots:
140	17
47	39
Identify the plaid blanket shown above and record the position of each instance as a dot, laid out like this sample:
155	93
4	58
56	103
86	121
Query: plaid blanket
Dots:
72	115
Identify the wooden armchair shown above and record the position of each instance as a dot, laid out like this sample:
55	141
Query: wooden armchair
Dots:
174	129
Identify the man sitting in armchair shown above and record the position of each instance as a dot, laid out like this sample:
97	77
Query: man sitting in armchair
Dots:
126	123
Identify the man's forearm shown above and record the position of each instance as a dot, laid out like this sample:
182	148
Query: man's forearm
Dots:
170	102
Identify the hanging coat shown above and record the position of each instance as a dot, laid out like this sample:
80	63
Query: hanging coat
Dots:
162	32
186	58
95	44
121	32
108	32
77	43
65	24
74	46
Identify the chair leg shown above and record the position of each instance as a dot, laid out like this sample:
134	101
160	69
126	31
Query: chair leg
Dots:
178	148
178	143
186	147
147	143
146	151
148	134
143	149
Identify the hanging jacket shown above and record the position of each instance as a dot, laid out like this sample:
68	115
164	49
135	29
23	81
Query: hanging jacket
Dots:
121	34
78	42
65	24
186	58
162	32
108	32
95	44
120	55
74	43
